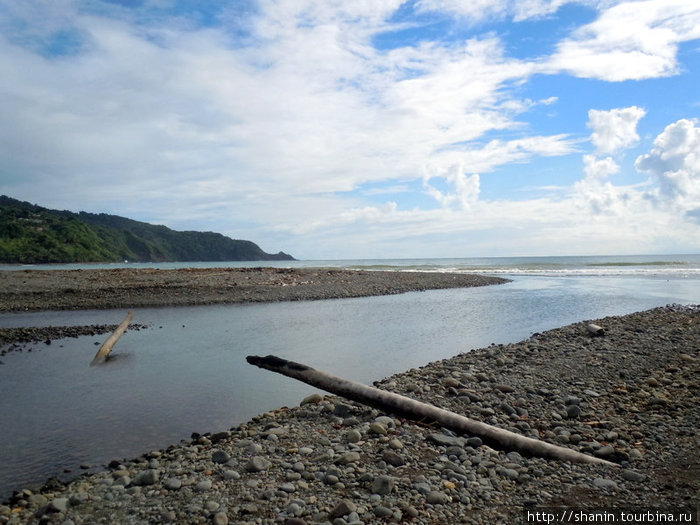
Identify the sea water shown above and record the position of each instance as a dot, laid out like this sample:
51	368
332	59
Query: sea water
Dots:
187	372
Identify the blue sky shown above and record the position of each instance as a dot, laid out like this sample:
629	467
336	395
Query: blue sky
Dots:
364	129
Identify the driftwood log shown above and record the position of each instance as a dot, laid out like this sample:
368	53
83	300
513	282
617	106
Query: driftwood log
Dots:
106	348
415	410
594	330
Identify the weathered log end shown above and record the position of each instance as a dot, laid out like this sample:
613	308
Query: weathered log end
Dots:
594	330
275	364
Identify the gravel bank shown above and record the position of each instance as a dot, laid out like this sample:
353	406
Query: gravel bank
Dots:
22	290
18	339
630	396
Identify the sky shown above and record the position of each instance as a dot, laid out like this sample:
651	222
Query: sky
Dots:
336	129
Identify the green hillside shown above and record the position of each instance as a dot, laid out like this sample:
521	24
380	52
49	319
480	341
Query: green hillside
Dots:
30	234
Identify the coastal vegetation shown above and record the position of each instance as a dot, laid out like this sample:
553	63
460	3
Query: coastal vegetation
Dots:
31	234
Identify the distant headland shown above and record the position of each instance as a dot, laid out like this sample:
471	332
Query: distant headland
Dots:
31	234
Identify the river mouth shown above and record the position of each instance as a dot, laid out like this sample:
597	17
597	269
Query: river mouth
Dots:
187	372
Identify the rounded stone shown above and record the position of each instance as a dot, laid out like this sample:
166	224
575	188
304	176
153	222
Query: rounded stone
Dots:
475	442
313	399
378	428
382	485
220	518
343	508
573	411
604	483
219	456
631	475
257	464
392	458
605	451
435	497
352	436
348	457
59	505
146	477
204	485
382	512
172	484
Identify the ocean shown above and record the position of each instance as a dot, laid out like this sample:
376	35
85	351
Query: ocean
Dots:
672	266
187	372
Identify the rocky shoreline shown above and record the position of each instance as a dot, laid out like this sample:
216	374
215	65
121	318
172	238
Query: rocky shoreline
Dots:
32	290
630	396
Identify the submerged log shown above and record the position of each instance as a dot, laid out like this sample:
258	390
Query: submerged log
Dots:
418	411
106	348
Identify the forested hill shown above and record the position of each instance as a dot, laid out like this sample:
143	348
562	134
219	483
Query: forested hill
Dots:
31	234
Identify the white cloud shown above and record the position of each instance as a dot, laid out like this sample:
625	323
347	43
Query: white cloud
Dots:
475	10
615	129
630	41
599	169
480	10
674	164
465	188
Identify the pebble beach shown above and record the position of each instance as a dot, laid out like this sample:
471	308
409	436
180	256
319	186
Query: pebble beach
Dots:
629	396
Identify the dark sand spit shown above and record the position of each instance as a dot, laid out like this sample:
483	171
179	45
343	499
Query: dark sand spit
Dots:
24	290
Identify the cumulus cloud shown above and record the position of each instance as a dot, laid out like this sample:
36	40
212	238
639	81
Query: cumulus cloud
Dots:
630	41
674	164
615	129
598	169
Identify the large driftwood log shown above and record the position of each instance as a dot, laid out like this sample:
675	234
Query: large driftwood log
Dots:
416	410
106	348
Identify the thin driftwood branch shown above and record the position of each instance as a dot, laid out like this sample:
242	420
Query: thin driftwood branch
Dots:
416	410
106	348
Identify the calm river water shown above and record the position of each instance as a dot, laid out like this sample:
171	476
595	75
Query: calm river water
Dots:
188	373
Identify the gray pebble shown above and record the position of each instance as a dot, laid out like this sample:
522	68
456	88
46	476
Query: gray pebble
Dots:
475	442
146	477
435	497
343	508
257	464
59	505
219	456
377	428
382	512
604	483
204	485
172	484
231	475
573	411
348	457
605	451
393	459
443	440
352	436
382	485
631	475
